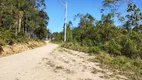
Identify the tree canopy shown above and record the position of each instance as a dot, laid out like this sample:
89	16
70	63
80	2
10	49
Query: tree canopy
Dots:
26	17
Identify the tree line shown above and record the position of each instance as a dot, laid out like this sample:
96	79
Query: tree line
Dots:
93	35
22	19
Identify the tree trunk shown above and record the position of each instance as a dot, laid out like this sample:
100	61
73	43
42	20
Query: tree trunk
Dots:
16	31
19	24
21	13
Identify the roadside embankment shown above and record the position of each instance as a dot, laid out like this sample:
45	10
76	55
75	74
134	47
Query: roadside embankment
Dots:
19	47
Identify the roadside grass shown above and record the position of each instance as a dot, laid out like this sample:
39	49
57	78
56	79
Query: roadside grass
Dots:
131	68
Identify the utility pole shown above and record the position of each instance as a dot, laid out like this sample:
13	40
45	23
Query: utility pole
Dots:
65	20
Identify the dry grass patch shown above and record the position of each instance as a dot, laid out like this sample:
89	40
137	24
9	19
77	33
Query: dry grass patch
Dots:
59	67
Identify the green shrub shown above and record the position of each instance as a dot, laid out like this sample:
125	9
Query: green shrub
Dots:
87	42
121	60
104	57
94	49
130	49
2	42
112	47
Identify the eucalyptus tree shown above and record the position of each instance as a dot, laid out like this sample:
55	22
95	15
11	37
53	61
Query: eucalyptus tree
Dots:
85	20
134	16
23	16
6	13
107	19
35	17
113	5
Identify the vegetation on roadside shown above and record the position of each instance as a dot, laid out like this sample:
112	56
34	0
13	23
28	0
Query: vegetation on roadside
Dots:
22	20
119	47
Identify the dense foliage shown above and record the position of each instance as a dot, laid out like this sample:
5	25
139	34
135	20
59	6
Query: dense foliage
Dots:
103	35
21	19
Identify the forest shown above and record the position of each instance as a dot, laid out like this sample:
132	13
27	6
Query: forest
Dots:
22	20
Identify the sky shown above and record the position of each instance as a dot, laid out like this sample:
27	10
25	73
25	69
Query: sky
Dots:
56	11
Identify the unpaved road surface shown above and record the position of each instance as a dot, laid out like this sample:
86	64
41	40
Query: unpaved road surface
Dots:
52	63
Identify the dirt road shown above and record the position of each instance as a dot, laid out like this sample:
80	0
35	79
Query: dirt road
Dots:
52	63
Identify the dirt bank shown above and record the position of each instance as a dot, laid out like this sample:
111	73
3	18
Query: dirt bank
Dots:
19	47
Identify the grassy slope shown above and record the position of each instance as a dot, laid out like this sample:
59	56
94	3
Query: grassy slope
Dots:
132	68
19	47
